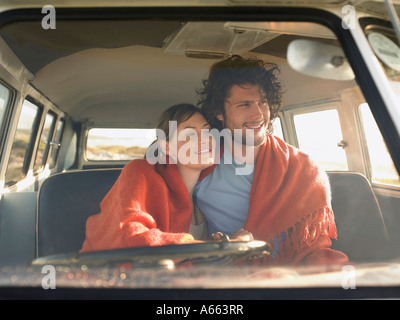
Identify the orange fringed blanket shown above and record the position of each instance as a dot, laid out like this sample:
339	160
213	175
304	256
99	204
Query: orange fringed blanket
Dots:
290	195
148	205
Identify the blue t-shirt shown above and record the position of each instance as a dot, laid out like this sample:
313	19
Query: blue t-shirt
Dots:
223	196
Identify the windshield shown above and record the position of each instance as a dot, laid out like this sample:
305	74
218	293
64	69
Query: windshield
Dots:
195	154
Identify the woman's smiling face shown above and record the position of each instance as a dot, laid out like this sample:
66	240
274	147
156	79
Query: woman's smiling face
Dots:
192	144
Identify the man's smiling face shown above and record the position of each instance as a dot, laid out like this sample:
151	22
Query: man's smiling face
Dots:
246	108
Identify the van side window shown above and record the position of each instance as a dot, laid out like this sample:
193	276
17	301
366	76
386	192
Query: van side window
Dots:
277	128
5	95
318	134
55	144
45	138
23	141
380	164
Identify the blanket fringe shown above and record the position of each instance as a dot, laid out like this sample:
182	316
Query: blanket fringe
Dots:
303	235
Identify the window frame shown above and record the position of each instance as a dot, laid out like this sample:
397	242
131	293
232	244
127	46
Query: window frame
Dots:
5	122
307	292
290	112
46	150
56	144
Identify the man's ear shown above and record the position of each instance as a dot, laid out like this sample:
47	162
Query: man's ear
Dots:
220	117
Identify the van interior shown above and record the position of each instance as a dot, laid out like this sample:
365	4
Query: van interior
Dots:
73	96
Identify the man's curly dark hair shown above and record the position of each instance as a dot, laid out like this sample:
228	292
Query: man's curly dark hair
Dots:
236	70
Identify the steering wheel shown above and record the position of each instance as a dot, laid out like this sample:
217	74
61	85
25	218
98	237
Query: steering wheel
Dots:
211	252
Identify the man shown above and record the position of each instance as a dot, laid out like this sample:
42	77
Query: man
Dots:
285	197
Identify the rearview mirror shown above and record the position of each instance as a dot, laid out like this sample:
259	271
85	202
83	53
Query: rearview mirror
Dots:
319	59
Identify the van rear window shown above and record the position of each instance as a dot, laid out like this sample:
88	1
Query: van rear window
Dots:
105	144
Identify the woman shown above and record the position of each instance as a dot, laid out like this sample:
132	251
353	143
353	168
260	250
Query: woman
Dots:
151	204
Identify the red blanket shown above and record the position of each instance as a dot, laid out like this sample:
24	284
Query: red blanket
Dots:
148	205
290	194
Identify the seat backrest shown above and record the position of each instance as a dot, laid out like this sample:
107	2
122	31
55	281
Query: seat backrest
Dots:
65	201
361	229
17	227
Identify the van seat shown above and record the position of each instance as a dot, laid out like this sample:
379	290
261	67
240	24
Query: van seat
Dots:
17	227
362	232
65	201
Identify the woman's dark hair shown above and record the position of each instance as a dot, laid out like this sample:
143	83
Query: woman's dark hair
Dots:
236	70
179	113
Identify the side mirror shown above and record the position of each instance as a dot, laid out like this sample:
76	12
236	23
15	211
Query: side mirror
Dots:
319	59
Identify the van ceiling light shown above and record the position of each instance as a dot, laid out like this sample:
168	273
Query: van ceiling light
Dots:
214	40
205	54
